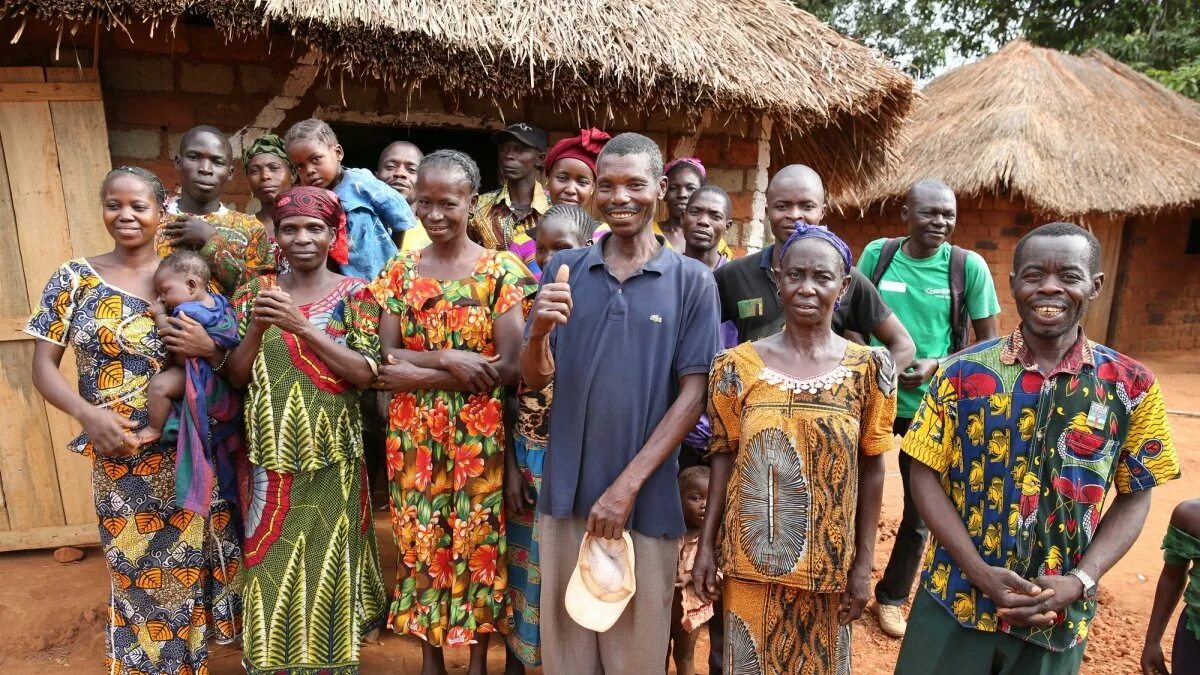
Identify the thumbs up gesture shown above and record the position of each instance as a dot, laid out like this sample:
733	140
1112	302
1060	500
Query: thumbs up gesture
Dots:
553	304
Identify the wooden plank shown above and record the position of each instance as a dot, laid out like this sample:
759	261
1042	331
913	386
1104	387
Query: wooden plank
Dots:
13	328
49	91
22	74
30	471
1110	233
50	537
81	139
81	134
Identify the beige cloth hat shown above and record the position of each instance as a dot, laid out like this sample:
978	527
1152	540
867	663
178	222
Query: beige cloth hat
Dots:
602	583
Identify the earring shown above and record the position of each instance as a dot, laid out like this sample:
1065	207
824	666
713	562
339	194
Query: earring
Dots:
837	304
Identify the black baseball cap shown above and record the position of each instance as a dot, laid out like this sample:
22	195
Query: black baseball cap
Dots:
524	133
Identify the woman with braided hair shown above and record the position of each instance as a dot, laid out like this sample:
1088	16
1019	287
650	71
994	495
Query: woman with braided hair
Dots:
451	331
314	587
175	575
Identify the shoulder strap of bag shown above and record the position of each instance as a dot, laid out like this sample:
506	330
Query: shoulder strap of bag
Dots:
960	318
886	254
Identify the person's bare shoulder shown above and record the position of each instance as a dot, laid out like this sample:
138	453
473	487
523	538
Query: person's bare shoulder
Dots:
1186	517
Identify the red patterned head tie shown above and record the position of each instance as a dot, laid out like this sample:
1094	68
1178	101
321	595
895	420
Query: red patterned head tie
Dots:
319	203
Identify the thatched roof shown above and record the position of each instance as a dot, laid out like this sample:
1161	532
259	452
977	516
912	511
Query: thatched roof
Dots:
733	57
1073	135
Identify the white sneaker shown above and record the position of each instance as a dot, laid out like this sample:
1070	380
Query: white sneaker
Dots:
891	620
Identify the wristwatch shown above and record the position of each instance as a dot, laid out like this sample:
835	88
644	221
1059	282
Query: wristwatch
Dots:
1089	584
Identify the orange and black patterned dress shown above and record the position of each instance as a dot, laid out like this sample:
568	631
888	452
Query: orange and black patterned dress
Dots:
787	543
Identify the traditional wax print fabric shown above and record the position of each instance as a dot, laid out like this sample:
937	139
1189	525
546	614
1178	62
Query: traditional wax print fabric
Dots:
1027	459
314	586
494	225
175	577
300	415
1181	549
239	248
775	629
524	637
445	455
314	582
793	491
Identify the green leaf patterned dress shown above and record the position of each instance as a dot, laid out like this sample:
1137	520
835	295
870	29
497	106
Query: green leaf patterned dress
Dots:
445	455
314	586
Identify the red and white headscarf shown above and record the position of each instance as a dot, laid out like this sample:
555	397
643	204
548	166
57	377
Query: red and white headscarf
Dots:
321	204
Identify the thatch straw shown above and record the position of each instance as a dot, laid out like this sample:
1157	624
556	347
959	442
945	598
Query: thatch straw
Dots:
759	58
1073	135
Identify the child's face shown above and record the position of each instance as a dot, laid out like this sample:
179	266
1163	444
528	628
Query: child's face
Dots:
554	235
444	201
175	288
317	163
695	500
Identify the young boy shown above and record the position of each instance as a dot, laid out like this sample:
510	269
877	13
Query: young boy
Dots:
376	215
181	283
563	227
688	611
1181	551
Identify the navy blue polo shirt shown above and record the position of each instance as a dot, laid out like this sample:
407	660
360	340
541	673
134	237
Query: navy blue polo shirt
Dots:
617	365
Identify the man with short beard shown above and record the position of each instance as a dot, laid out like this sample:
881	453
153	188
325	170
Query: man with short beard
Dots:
626	329
1016	445
234	244
517	206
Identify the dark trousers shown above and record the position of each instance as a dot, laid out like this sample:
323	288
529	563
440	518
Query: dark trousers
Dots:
1185	652
901	570
716	638
375	423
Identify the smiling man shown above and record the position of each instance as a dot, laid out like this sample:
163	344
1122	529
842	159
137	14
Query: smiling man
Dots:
1016	445
626	329
234	244
398	168
939	292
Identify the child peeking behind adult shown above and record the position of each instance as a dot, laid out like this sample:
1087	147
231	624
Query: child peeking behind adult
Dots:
1180	576
689	612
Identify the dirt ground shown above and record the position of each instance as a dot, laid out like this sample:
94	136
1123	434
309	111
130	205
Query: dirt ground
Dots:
52	615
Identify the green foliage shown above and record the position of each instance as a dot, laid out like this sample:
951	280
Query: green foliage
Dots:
1158	37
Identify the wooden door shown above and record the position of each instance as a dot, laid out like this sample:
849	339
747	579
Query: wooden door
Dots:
53	156
1110	232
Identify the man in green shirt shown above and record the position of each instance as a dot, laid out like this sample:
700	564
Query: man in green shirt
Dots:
917	285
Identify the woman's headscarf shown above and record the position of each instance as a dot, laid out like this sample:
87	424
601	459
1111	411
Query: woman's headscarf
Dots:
692	162
806	231
267	144
585	147
319	203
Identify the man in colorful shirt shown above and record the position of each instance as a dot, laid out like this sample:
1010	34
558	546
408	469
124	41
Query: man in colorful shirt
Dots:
916	284
1017	442
501	217
234	244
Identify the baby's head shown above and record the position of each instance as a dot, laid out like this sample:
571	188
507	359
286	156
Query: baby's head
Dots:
181	277
314	150
693	491
564	226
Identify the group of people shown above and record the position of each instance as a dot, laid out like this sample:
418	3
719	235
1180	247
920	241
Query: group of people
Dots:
598	431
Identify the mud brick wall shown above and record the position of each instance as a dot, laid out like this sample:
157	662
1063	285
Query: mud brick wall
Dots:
1158	301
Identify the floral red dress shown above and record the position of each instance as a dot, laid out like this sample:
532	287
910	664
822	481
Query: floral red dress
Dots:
445	455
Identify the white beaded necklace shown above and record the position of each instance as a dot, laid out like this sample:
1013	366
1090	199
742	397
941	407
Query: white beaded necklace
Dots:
810	385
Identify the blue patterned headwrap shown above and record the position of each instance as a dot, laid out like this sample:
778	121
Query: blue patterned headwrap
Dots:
806	231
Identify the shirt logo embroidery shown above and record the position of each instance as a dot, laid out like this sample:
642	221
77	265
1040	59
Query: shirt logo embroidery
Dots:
656	318
749	308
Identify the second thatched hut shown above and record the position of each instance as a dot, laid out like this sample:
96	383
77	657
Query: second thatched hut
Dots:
1028	136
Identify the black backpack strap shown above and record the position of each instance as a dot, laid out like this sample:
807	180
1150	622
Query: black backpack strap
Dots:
886	254
960	318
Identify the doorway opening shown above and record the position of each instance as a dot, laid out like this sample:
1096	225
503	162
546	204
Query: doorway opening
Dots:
362	144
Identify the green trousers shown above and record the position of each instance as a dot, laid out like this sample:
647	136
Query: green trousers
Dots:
936	645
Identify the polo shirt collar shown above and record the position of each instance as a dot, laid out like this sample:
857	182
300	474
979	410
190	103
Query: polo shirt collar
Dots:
764	258
1014	351
658	263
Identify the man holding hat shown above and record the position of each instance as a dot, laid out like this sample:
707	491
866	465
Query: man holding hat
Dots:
503	214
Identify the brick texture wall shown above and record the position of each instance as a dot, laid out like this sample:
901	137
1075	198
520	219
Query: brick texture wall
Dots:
156	87
1158	300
